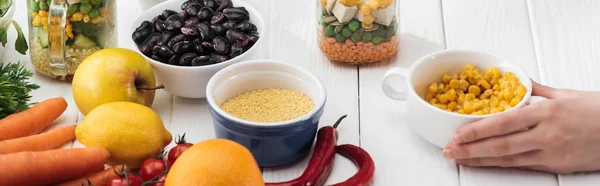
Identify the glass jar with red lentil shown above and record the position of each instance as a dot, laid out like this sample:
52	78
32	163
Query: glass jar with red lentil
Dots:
358	32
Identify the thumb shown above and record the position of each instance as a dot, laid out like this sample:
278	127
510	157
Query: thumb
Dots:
544	91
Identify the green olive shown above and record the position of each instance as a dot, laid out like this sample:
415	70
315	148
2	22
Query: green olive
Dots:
85	8
73	8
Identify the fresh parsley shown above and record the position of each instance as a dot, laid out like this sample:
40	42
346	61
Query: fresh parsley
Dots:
21	42
14	88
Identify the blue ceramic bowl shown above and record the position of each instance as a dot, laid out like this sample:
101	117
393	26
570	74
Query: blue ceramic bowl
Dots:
271	144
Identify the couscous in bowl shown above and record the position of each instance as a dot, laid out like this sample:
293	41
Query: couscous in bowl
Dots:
274	143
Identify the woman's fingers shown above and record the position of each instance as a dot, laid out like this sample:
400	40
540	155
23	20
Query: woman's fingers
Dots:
500	146
553	93
501	124
526	159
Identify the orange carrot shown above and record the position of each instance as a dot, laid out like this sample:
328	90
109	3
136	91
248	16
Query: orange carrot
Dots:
99	178
52	166
40	142
32	120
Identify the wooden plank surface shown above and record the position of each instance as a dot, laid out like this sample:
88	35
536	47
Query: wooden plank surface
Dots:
500	27
401	156
292	39
567	42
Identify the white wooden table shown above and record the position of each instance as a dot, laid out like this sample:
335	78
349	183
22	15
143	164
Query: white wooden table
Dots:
556	41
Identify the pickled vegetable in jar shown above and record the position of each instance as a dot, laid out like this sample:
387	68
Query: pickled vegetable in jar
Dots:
62	33
358	32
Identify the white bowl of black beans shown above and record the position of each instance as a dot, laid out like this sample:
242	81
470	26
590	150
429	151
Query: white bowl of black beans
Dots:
188	41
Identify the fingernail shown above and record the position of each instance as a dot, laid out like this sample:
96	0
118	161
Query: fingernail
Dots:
457	138
447	152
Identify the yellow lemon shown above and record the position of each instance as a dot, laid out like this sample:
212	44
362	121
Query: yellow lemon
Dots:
217	162
129	131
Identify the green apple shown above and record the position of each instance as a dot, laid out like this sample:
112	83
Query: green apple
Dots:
111	75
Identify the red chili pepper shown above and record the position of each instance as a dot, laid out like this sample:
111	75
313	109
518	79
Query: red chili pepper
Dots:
321	162
361	158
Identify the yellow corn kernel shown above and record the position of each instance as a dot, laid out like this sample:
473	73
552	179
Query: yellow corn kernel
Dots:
463	84
323	3
473	74
514	82
508	95
460	92
46	28
469	97
461	111
469	67
475	90
520	91
77	16
486	94
433	87
43	13
38	19
440	88
489	73
496	87
69	28
468	108
495	103
86	18
478	105
504	102
453	84
514	102
485	84
452	95
443	98
461	99
504	85
70	35
463	75
446	78
97	20
452	105
433	101
36	23
508	74
429	95
35	14
446	88
458	106
454	76
494	110
440	105
494	81
44	21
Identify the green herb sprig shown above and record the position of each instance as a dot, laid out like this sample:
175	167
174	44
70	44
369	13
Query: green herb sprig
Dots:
15	88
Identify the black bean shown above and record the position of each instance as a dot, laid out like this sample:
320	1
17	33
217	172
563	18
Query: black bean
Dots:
167	13
206	33
198	48
221	45
245	27
175	39
229	25
237	37
190	30
174	60
211	3
192	21
216	58
201	61
173	22
159	26
205	14
157	58
186	59
183	47
224	4
148	44
184	15
237	17
186	4
140	35
166	37
235	51
162	51
252	38
146	25
158	17
236	9
218	18
193	9
219	30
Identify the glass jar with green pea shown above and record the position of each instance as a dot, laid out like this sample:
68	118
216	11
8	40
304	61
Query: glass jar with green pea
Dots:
62	33
358	32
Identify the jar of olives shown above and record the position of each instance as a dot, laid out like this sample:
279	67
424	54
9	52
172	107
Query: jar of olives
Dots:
62	33
358	32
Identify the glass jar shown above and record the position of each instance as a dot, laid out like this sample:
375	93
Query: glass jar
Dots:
62	33
358	32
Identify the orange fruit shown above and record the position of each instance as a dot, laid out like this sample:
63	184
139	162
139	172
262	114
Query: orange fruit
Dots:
214	163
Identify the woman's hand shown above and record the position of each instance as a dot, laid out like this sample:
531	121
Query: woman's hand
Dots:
560	135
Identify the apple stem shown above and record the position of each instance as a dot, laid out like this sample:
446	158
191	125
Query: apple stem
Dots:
152	88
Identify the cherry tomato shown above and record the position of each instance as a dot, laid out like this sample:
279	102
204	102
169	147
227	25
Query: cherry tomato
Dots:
161	181
176	151
152	167
122	181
